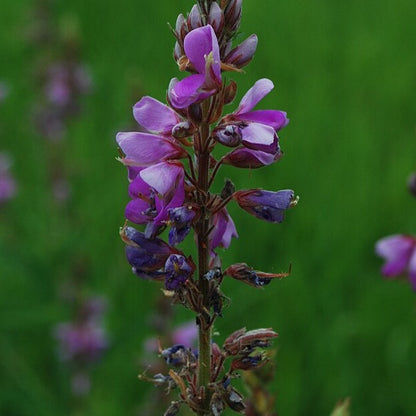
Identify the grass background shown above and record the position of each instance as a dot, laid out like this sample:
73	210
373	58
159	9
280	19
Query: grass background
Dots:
345	72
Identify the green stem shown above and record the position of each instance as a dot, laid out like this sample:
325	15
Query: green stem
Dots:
204	357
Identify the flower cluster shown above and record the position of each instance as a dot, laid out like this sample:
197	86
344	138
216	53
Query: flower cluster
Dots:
171	163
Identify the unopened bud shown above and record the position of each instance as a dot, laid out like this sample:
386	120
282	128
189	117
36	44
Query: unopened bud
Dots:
216	17
229	135
243	53
233	15
229	92
234	400
182	130
194	18
228	189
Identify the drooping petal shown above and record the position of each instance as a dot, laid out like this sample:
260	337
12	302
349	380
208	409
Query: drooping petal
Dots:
198	45
143	149
250	159
155	116
136	211
256	93
396	250
273	118
189	91
260	137
163	176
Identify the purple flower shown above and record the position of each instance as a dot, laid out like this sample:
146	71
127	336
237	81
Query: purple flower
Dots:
181	221
223	230
186	334
201	48
266	205
399	251
258	128
156	190
251	159
8	186
177	271
146	256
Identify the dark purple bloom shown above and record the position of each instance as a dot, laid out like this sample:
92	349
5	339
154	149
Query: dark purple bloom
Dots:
223	230
201	48
146	256
266	205
177	270
399	251
229	135
181	221
155	190
251	159
8	186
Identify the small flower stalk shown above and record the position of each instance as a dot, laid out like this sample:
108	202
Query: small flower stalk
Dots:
172	163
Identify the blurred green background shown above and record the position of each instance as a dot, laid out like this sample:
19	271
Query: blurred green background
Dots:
346	74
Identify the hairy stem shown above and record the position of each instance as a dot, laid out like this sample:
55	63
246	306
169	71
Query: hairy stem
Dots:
204	357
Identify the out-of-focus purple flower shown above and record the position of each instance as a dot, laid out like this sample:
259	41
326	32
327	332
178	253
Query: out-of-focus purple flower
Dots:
201	48
155	190
64	82
84	342
399	252
186	334
251	159
177	270
181	221
266	205
242	54
8	187
258	128
80	384
146	256
223	230
4	91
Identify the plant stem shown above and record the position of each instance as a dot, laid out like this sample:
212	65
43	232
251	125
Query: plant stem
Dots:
204	357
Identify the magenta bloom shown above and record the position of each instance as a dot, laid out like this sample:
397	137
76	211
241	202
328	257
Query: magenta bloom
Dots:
155	190
224	230
201	48
266	205
399	251
251	159
144	149
257	128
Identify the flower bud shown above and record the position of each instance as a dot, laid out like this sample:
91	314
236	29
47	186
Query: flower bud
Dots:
233	15
194	18
241	341
243	53
248	362
229	135
227	190
182	130
181	27
229	92
234	399
216	17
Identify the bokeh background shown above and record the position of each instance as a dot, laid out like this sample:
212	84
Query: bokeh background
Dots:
346	74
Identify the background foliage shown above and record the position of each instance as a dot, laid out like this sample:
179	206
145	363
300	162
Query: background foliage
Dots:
345	72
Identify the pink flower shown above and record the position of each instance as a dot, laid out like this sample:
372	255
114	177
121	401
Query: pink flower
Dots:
399	251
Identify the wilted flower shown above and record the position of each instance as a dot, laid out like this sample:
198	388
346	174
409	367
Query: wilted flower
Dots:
177	270
266	205
399	251
180	219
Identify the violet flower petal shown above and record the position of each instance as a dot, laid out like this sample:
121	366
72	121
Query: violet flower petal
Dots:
163	177
198	45
188	91
155	116
250	159
143	149
260	137
273	118
256	93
